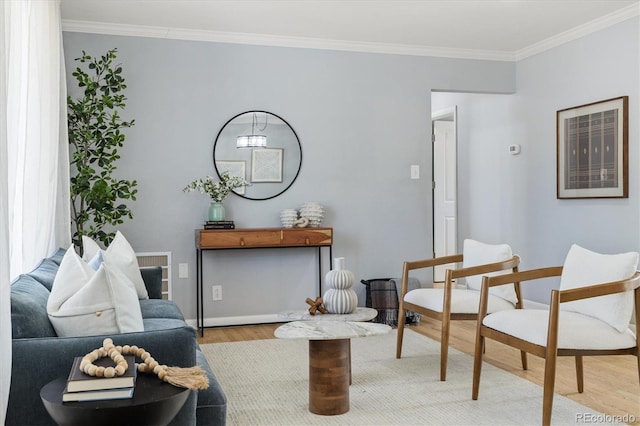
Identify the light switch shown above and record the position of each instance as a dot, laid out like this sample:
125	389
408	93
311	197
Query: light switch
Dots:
415	171
183	270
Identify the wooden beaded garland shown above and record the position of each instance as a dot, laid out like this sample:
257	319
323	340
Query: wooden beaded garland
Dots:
191	378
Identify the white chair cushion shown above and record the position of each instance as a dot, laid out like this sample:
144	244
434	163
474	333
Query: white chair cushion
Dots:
575	330
462	301
84	302
123	257
584	268
476	253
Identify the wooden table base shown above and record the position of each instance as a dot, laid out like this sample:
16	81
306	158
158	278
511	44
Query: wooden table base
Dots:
329	376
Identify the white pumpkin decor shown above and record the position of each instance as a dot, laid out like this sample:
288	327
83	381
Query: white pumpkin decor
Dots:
340	297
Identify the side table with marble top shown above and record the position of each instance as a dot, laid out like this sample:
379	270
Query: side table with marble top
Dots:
360	314
329	359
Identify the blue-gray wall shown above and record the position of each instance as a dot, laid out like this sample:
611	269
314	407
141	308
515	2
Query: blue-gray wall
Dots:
362	120
506	198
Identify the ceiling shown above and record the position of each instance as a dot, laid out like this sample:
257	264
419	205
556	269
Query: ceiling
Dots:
487	29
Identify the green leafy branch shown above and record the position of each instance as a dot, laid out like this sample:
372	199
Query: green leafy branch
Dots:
217	191
95	136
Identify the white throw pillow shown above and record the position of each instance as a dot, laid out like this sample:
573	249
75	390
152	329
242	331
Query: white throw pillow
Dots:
583	268
90	248
475	253
84	302
124	257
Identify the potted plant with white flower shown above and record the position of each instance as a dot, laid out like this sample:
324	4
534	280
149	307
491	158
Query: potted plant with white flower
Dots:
217	191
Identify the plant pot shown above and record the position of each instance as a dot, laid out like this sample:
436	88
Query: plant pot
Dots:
216	211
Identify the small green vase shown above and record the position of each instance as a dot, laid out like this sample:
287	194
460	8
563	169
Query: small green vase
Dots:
216	211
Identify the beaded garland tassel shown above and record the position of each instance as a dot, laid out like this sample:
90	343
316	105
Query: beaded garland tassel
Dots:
190	378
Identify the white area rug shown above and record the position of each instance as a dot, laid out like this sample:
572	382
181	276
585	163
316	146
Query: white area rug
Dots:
266	383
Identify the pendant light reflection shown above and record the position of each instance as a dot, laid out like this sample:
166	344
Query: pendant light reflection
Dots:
253	140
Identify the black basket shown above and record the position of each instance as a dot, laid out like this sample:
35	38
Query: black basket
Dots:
382	295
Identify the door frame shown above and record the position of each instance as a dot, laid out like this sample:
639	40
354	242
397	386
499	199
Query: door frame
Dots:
445	114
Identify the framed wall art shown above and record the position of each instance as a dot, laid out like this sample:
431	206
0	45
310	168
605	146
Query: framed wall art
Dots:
592	158
266	165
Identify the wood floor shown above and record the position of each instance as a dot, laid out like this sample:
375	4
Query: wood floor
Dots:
611	383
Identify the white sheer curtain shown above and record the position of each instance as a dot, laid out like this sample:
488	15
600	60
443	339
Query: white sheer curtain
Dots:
34	155
5	307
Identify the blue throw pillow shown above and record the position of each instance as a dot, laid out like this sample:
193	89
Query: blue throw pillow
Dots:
45	273
29	309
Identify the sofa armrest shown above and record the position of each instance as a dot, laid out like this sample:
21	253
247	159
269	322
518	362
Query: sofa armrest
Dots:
37	361
152	277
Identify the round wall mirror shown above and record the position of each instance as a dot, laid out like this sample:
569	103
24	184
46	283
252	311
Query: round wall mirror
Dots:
261	148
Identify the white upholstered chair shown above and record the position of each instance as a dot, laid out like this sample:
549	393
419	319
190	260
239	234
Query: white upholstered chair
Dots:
590	314
449	303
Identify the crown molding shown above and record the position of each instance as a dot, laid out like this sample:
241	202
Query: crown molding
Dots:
580	31
278	41
351	46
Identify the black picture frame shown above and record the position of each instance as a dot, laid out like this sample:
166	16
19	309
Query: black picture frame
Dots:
592	158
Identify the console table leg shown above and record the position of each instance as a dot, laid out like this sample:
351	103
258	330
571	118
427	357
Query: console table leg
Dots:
320	271
199	294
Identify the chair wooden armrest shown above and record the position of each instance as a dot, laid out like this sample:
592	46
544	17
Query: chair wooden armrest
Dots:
520	276
486	268
425	263
514	278
628	284
452	274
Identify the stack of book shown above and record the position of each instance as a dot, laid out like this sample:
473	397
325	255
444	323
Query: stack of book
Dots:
219	224
83	387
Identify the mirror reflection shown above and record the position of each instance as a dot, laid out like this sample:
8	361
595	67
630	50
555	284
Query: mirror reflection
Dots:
261	148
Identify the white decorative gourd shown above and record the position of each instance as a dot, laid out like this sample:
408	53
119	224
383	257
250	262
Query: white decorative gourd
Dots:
340	297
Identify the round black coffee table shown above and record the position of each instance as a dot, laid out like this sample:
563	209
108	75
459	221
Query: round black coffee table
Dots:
154	402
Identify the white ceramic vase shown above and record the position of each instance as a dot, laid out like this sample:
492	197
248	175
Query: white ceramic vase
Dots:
340	297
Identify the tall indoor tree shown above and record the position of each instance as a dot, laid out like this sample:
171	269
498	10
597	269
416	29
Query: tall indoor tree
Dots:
95	134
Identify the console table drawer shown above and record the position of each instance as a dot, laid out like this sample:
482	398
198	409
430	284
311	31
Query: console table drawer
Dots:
307	237
263	237
239	239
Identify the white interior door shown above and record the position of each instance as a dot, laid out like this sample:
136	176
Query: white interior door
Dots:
445	215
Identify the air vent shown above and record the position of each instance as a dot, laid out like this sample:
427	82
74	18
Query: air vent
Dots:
162	259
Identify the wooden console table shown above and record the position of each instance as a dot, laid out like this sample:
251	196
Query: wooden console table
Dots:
253	238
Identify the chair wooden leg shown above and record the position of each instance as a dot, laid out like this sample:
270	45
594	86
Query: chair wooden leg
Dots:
477	365
549	384
523	356
638	360
444	349
401	321
579	373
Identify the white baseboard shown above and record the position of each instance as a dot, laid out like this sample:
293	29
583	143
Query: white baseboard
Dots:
237	320
273	318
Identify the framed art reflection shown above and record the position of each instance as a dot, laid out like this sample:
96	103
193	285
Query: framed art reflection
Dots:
266	165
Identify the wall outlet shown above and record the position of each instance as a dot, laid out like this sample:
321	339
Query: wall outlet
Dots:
217	292
183	270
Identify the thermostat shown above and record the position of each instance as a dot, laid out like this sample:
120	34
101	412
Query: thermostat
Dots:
514	149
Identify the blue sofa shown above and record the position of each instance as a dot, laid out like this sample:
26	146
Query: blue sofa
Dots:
40	356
